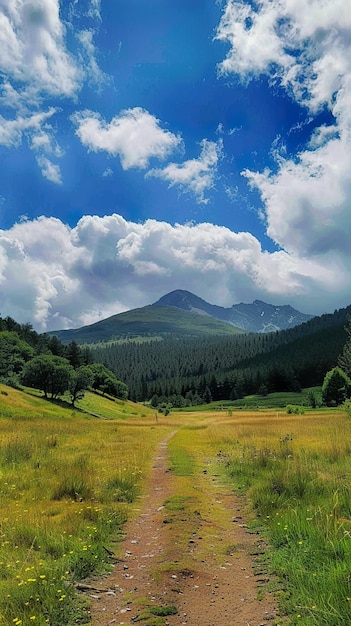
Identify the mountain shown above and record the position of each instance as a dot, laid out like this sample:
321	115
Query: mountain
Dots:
182	313
149	321
229	366
258	317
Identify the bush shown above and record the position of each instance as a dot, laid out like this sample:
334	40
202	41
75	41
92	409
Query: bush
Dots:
295	409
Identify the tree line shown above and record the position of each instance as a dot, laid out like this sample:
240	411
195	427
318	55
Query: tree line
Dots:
43	362
184	370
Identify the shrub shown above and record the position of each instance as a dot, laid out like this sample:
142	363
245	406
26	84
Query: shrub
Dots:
295	409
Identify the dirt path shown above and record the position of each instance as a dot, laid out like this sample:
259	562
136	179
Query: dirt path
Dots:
218	586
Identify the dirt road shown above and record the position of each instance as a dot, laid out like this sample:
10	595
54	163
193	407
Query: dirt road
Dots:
194	564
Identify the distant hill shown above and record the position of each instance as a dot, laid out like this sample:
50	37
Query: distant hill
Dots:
258	317
229	367
149	321
182	313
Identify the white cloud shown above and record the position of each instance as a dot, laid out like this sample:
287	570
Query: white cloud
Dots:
55	276
50	170
33	50
303	43
255	44
12	131
93	72
36	65
94	10
40	136
307	198
107	172
134	135
194	175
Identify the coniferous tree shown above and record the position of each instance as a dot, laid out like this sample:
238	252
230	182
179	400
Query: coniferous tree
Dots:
344	360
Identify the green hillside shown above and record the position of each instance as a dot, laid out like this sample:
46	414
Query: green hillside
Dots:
147	321
221	368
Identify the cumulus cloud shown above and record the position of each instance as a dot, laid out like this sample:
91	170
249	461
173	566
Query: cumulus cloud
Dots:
36	65
304	46
307	198
34	56
56	276
252	35
195	175
134	135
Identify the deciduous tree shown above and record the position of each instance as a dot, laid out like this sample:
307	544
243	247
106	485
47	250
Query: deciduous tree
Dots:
80	380
50	374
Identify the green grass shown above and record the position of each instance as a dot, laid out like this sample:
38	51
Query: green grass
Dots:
98	405
112	408
276	400
182	462
150	322
68	482
295	473
122	340
299	488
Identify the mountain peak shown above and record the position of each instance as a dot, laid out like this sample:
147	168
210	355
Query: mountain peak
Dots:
179	298
256	317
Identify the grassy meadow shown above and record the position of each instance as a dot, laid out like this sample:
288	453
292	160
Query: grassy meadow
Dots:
295	472
277	399
68	482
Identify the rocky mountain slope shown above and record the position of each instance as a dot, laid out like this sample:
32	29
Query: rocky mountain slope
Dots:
258	317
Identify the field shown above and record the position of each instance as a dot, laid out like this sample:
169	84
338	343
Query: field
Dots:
278	400
69	481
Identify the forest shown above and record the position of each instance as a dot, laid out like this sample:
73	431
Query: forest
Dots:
177	369
185	370
44	363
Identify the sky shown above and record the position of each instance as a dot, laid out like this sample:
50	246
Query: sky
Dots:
153	145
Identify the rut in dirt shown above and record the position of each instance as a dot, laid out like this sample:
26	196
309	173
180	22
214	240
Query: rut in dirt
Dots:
218	586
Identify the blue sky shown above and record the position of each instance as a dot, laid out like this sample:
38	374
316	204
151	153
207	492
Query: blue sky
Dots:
151	145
